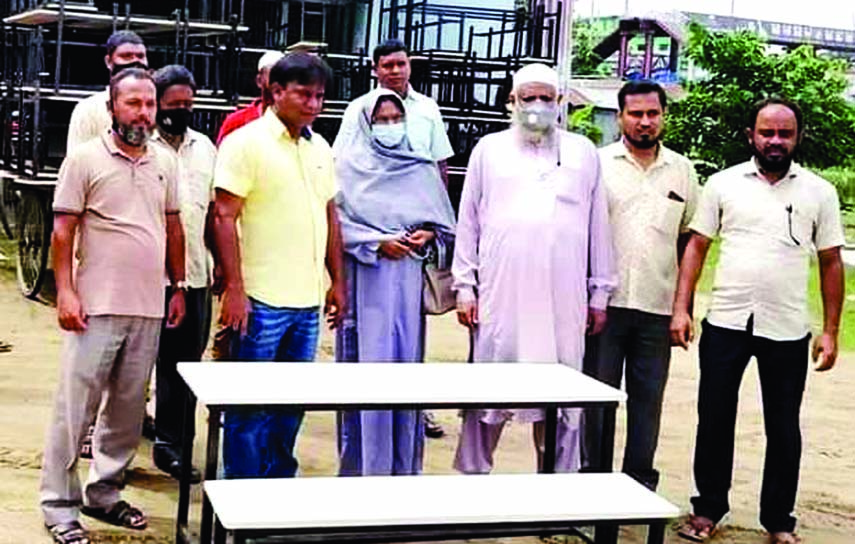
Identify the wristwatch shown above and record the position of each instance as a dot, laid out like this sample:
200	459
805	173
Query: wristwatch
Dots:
180	285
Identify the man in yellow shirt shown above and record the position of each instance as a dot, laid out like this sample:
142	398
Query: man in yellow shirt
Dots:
276	176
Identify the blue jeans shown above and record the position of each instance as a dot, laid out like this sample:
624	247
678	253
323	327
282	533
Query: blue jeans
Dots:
260	443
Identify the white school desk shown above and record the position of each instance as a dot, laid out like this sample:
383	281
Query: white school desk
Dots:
401	386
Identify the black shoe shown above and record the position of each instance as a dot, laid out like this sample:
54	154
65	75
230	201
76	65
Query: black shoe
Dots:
149	430
168	460
432	428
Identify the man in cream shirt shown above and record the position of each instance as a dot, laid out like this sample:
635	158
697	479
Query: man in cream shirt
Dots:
652	192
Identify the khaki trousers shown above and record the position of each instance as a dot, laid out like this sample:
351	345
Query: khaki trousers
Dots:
112	359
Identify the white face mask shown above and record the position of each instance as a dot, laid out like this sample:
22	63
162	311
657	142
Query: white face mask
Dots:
537	117
389	135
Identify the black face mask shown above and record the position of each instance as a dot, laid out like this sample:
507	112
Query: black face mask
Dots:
119	67
174	121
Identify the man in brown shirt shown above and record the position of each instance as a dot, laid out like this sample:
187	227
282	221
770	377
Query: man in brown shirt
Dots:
117	198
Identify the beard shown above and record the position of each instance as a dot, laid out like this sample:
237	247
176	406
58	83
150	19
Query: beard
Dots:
780	164
135	135
645	142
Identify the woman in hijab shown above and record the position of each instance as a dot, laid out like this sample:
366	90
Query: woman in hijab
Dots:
395	214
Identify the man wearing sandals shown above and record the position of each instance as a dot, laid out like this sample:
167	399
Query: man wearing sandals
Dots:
117	196
771	215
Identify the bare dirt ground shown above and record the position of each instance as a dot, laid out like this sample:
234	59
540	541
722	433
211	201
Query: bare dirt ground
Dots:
826	507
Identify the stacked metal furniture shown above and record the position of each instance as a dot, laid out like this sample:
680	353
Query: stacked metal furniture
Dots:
52	57
464	57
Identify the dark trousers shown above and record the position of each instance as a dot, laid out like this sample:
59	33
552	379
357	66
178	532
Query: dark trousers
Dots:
182	344
782	366
642	341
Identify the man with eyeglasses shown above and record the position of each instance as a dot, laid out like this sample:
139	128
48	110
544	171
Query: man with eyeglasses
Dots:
533	263
771	215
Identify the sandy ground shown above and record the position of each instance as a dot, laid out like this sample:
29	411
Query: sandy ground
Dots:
826	506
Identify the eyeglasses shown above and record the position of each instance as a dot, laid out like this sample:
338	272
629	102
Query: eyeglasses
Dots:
789	209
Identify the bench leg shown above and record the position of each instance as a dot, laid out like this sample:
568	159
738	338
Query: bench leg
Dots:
219	532
550	439
656	533
210	473
607	446
187	432
606	534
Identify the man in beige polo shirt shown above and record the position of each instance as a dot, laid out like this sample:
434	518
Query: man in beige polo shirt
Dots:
117	196
652	192
772	216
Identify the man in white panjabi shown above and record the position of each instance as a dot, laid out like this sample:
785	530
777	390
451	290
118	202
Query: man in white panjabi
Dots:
533	264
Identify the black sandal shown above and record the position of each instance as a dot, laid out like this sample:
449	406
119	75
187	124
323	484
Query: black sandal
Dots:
120	514
68	533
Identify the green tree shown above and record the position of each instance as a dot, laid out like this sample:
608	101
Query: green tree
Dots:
581	121
585	61
708	125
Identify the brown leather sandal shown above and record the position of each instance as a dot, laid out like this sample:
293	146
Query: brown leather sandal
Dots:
697	528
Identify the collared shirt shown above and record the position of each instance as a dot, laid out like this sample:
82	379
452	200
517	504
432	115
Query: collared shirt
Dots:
425	127
648	209
286	185
196	157
239	118
89	119
122	203
768	232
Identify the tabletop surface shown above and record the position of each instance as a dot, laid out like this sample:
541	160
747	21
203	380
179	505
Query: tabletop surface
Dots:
434	385
390	501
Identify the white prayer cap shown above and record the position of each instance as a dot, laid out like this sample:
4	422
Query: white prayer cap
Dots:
269	59
536	73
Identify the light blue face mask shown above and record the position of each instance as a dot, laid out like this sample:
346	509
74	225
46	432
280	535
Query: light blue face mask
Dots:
391	135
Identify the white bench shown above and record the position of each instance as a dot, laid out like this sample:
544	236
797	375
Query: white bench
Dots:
331	387
419	508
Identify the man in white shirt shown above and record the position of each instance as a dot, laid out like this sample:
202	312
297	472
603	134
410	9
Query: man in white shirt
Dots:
425	127
91	117
195	155
652	193
772	215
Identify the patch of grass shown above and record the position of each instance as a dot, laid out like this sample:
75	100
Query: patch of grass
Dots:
847	325
8	250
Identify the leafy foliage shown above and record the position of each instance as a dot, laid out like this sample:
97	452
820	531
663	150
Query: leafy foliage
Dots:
843	179
581	121
585	62
708	125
